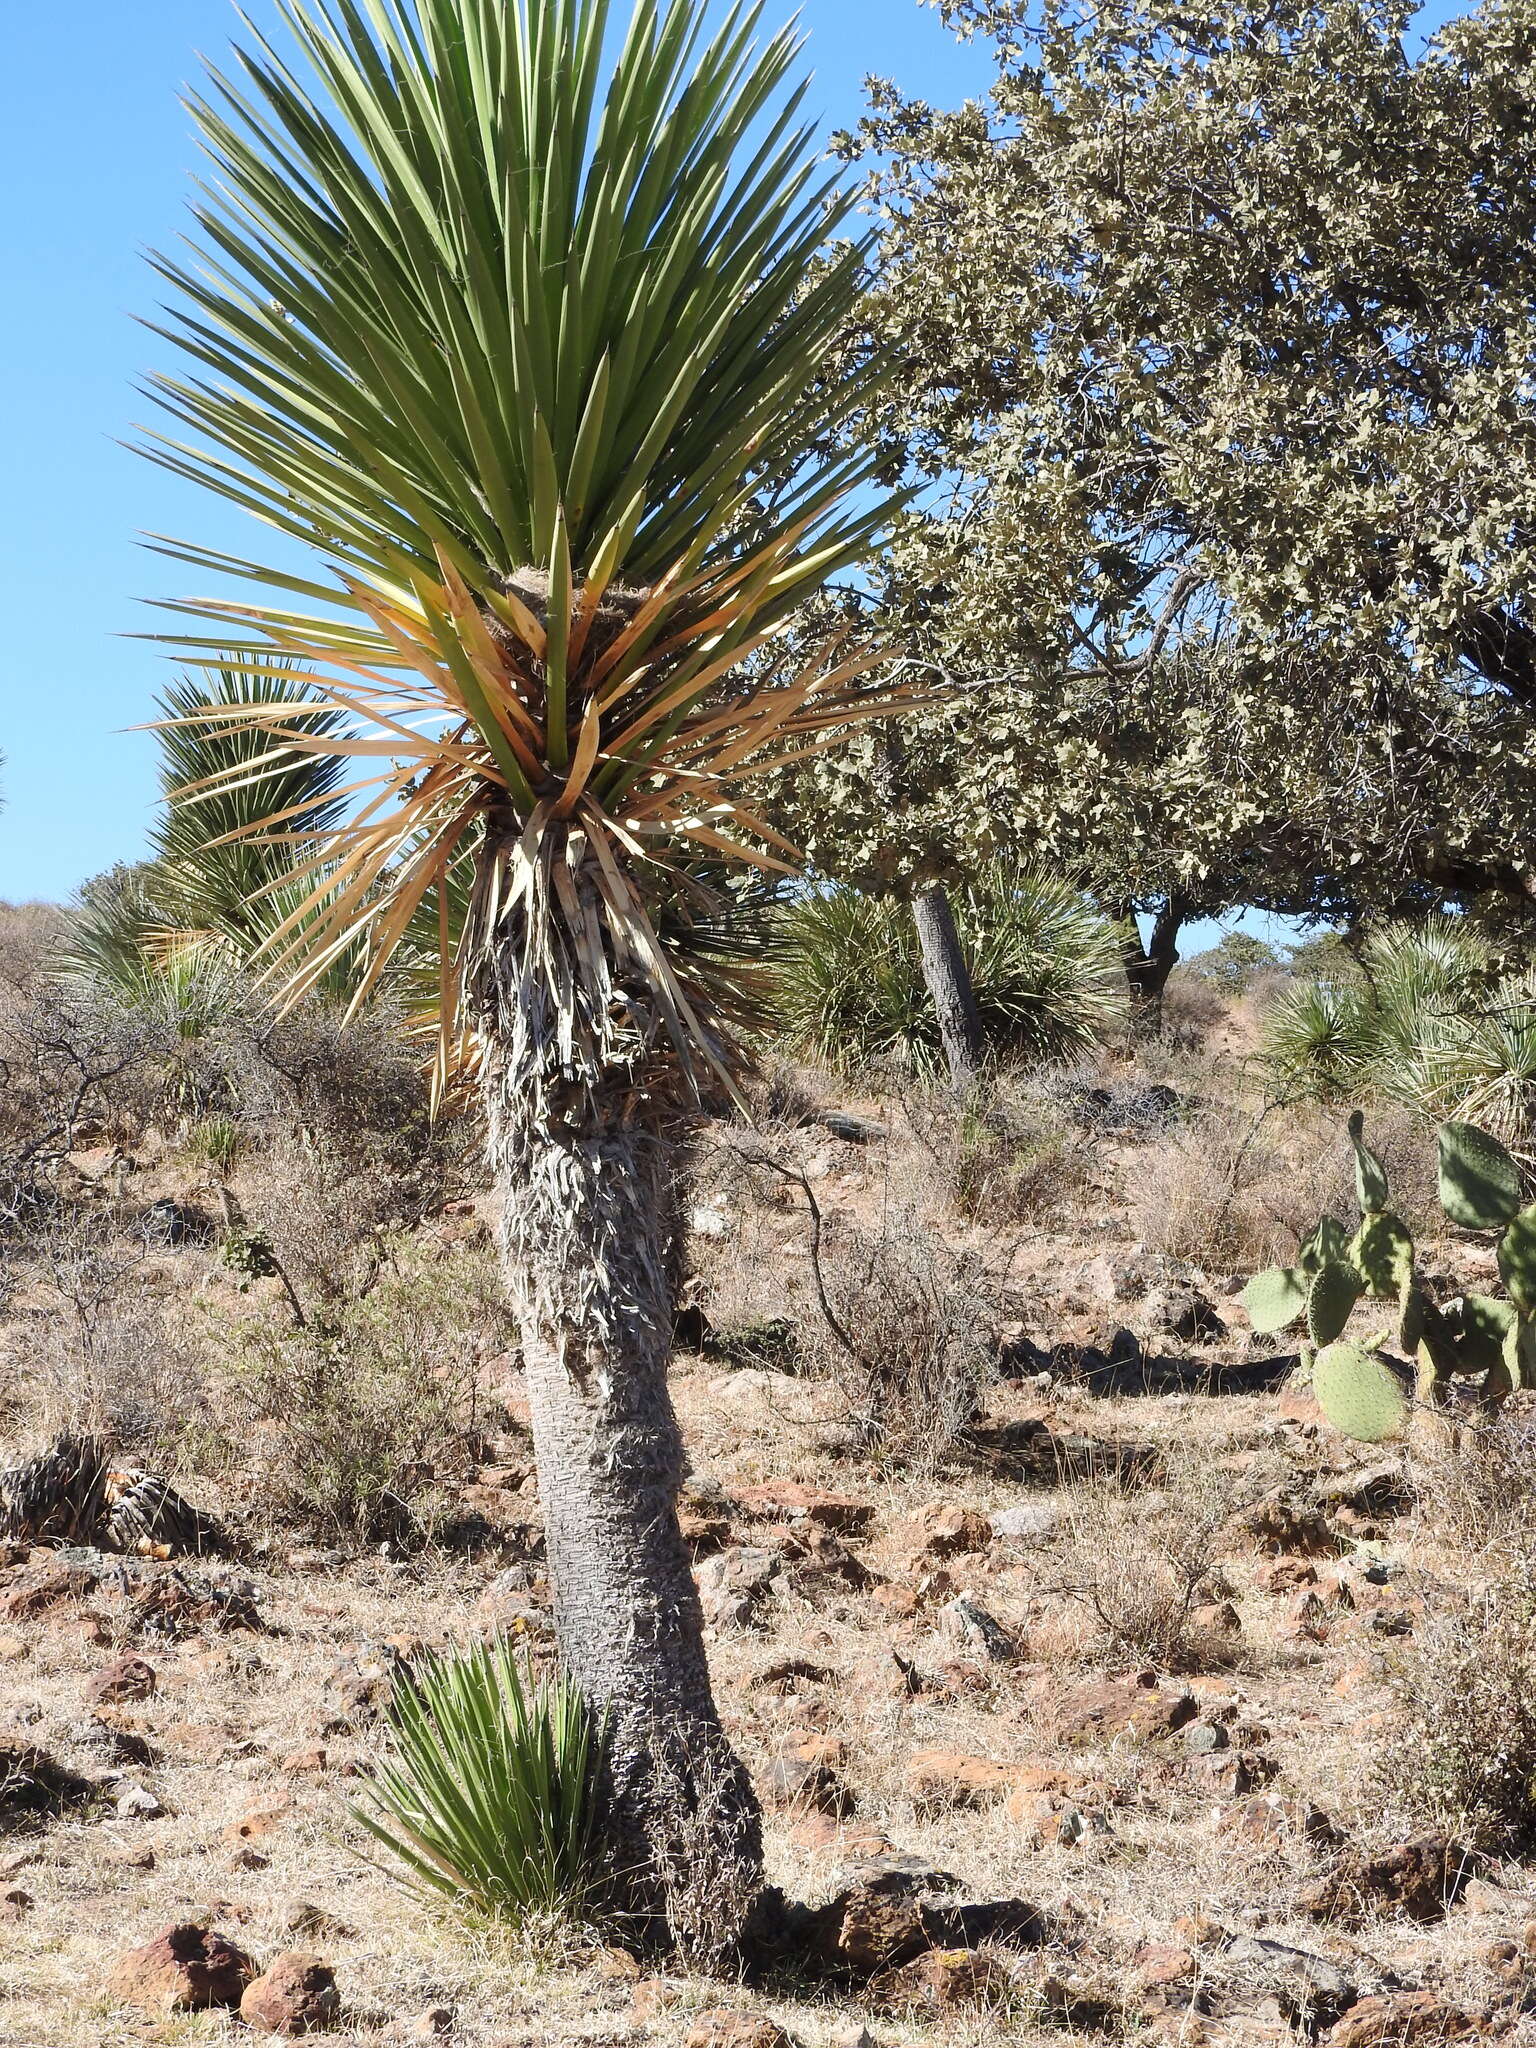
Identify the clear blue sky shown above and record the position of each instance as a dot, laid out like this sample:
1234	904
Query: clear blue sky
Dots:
95	154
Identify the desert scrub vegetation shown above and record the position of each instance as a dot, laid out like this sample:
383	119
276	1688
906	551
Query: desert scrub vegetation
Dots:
1462	1755
1428	1016
363	1413
1044	964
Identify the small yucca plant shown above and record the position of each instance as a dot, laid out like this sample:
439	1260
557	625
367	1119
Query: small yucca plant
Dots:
490	1797
1044	965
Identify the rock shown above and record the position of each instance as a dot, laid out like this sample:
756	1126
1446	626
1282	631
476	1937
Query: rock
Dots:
1421	1878
1404	2019
14	1649
119	1683
938	1779
30	1590
1269	1817
794	1502
137	1803
726	2029
1281	1524
1123	1709
430	2025
1306	1987
875	1920
944	1981
1180	1312
296	1994
15	1904
1036	1523
1380	1489
967	1625
32	1783
260	1821
733	1585
804	1773
943	1529
1206	1738
186	1968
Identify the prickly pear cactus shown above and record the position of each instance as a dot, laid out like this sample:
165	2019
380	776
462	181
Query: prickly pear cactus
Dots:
1517	1261
1360	1393
1335	1289
1370	1175
1275	1298
1479	1181
1382	1254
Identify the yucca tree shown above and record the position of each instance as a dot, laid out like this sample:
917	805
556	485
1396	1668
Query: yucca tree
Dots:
547	373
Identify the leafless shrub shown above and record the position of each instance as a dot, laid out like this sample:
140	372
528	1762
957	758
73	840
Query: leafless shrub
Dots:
910	1329
1191	1010
1462	1756
1141	1565
324	1223
106	1354
1002	1158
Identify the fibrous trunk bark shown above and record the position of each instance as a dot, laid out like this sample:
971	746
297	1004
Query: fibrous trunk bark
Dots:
585	1211
948	976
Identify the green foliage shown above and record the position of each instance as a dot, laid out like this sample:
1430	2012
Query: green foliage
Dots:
490	1795
1044	965
1275	1299
1335	1289
1315	1041
1479	1182
1244	533
1382	1254
1359	1392
215	1139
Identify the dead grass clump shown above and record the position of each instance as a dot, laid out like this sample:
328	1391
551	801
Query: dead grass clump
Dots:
1477	1492
1142	1564
1208	1195
1000	1161
107	1354
1463	1755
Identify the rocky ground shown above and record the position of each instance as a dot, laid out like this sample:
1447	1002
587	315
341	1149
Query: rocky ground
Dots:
1074	1732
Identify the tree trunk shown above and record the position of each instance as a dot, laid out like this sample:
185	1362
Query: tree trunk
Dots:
948	976
1148	966
585	1207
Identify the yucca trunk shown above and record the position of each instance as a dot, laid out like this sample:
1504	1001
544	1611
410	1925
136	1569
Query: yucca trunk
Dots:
948	976
585	1211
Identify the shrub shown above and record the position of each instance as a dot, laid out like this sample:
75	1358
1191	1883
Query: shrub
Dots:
1139	1565
1463	1754
910	1329
1045	966
361	1410
490	1797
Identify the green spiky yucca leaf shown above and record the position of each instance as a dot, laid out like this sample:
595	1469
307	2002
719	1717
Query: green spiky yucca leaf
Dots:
489	1793
550	373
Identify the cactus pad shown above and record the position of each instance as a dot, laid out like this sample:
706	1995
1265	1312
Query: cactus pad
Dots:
1480	1326
1517	1261
1370	1174
1382	1254
1330	1240
1359	1393
1333	1293
1479	1181
1275	1298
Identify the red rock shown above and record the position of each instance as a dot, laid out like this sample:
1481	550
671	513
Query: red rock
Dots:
129	1678
736	2030
943	1529
184	1969
260	1821
34	1589
1268	1817
946	1980
1116	1709
296	1994
1421	1878
1404	2019
796	1501
940	1778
